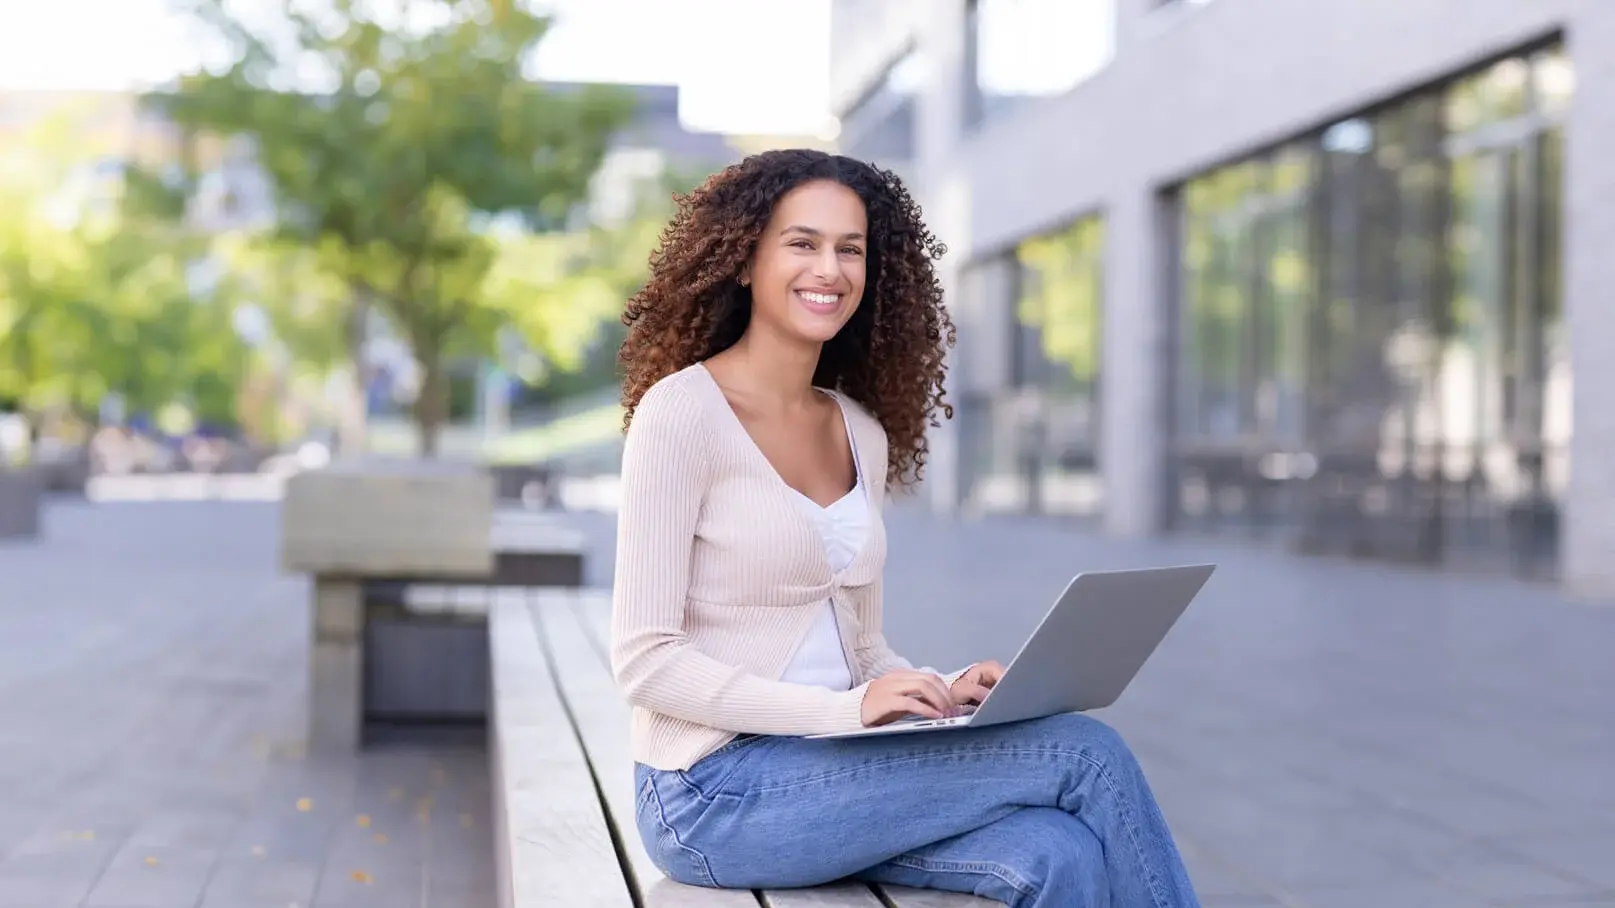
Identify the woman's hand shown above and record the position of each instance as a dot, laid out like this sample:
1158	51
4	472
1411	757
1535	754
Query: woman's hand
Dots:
905	692
970	688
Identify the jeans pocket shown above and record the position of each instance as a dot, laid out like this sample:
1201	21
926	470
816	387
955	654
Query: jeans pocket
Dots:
667	849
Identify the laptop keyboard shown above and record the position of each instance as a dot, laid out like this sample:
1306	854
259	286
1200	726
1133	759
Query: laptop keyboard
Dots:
923	722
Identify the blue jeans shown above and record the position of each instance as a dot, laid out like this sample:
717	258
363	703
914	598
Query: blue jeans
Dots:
1036	814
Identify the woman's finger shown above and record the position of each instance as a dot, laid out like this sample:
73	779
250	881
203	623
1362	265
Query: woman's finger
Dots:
915	705
935	691
968	692
916	686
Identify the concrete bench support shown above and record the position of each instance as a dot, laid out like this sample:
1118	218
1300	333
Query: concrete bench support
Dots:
336	664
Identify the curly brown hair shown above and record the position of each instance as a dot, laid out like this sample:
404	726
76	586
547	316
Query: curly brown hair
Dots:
889	357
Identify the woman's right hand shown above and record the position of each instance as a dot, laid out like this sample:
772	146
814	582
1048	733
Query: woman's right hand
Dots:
905	692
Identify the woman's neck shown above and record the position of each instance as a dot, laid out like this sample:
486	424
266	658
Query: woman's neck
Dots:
772	371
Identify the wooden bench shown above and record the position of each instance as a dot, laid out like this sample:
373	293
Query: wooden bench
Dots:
563	780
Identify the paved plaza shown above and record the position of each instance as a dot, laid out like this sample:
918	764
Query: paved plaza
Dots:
152	675
1321	733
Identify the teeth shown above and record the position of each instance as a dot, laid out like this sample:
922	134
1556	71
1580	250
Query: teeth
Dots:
823	299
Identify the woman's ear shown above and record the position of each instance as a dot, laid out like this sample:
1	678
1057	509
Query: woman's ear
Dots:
745	275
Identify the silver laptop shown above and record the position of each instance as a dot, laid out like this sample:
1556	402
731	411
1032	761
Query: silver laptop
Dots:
1084	652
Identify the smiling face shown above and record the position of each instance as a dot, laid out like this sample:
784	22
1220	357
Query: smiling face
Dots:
807	275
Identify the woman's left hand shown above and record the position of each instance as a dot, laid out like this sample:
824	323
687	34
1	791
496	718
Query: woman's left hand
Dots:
970	688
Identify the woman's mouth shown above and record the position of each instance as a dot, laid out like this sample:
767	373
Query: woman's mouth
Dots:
819	303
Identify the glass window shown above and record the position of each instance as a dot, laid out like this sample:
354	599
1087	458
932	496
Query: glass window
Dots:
1372	353
1033	432
1019	49
1499	92
1060	301
1553	80
1059	326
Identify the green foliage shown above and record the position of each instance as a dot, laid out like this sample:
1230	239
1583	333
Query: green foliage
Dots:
1061	294
94	299
410	136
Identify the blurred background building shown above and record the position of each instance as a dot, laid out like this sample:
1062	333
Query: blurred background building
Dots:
1317	274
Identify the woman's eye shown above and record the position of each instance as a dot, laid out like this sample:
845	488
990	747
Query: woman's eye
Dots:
802	244
851	250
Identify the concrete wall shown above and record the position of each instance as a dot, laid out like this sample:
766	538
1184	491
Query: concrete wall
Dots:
1193	86
1589	526
1198	85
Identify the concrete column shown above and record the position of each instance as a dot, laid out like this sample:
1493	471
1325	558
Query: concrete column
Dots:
1131	21
1135	366
945	199
1589	520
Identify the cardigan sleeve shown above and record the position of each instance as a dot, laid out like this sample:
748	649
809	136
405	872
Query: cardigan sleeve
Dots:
666	465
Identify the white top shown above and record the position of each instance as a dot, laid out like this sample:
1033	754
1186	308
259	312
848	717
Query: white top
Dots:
844	525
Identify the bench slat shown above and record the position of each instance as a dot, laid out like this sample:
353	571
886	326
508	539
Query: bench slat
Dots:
598	622
602	721
552	846
904	897
835	895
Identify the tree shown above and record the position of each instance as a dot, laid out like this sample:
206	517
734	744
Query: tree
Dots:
413	133
98	297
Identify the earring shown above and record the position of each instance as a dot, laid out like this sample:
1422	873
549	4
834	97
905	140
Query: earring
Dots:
745	281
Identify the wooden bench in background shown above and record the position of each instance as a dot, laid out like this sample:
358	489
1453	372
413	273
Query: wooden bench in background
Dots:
564	781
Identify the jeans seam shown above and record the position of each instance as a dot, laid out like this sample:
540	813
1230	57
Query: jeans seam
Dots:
1157	891
661	819
733	752
694	789
1011	750
989	868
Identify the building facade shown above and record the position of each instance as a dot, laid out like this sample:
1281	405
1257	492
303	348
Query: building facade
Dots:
1317	273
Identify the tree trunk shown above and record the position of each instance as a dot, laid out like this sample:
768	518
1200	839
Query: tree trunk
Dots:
431	406
351	419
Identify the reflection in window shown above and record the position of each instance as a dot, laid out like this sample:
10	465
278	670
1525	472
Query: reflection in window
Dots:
1059	303
1039	437
1033	48
1371	337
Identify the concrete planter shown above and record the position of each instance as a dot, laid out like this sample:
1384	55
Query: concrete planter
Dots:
21	498
70	476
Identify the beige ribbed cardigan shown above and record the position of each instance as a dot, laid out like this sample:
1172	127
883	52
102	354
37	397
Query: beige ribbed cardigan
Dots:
719	575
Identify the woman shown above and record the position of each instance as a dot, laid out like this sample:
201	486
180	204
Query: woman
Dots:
782	365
